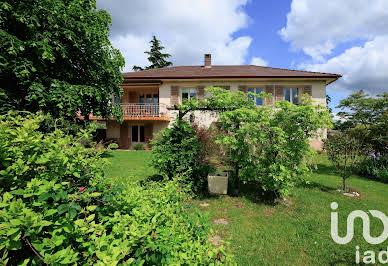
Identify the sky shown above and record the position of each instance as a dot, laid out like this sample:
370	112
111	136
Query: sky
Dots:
347	37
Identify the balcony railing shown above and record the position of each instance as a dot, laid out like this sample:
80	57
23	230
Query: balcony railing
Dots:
144	109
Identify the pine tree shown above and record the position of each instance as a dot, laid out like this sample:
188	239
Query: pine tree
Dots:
156	57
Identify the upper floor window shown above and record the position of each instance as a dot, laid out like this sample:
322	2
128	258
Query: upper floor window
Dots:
291	95
258	100
116	99
189	93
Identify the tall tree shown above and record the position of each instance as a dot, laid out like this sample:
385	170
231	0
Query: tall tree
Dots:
55	56
156	57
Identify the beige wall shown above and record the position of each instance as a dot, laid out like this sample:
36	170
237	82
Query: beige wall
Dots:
205	119
318	86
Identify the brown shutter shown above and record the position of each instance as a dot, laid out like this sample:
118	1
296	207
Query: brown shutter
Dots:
243	88
124	137
148	132
269	89
132	97
201	92
279	93
174	98
308	89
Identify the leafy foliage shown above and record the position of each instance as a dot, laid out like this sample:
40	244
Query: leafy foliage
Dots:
366	118
268	144
176	151
156	57
139	146
374	166
55	56
344	152
56	207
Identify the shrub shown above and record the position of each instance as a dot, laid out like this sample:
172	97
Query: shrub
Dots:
177	152
113	146
267	145
56	207
344	152
374	166
139	146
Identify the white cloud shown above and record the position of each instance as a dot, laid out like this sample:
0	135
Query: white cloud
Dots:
188	29
363	67
257	61
317	26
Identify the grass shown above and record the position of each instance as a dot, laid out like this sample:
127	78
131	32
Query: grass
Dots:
295	231
129	164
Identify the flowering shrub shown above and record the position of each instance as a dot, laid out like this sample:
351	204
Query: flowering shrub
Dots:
56	207
374	166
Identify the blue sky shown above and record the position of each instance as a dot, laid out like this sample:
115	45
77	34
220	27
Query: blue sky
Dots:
316	35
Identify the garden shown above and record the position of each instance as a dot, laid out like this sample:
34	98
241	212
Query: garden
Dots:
63	201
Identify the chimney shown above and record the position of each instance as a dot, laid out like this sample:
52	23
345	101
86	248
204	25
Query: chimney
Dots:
208	60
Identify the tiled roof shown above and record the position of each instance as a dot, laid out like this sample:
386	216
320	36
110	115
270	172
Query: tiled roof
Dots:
242	71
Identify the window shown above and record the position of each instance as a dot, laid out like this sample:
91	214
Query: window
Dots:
116	99
137	133
291	95
142	98
189	93
258	100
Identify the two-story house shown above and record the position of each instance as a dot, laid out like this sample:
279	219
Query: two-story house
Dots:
149	95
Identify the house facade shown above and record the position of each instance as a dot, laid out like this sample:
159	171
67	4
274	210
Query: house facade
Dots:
149	96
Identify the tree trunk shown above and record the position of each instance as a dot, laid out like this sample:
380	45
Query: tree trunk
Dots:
344	184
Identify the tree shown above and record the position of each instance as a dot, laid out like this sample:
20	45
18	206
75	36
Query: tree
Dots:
344	152
267	145
55	56
366	118
156	57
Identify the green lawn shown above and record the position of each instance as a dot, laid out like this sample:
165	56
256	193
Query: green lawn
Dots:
129	164
293	232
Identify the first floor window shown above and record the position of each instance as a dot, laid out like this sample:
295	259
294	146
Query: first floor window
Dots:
258	100
137	133
291	95
189	93
116	99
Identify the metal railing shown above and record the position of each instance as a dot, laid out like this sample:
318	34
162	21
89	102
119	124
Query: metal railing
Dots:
144	109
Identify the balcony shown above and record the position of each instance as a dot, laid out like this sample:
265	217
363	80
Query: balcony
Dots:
144	111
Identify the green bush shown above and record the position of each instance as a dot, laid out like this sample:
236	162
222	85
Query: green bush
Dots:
139	146
56	207
375	167
113	146
176	152
267	145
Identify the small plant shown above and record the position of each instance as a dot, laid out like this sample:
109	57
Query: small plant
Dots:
139	147
344	152
113	146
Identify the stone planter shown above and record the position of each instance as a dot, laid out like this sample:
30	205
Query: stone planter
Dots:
218	183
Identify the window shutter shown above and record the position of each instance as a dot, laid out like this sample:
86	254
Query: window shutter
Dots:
269	100
174	98
279	93
243	88
201	92
308	89
148	132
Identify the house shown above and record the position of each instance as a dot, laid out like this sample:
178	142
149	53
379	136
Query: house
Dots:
149	95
